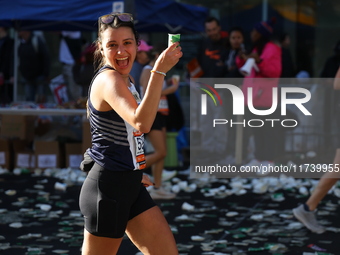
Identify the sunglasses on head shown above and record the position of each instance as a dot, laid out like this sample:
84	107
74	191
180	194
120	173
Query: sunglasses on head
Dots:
109	18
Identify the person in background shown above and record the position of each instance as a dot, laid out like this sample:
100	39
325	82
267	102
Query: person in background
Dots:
34	65
331	97
332	63
70	49
306	213
157	134
142	59
210	63
288	67
83	70
113	198
213	52
267	56
6	66
235	46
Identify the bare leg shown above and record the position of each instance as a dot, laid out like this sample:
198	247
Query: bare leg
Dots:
325	184
151	234
156	159
94	245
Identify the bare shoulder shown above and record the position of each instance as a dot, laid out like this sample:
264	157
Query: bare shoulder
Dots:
106	81
104	84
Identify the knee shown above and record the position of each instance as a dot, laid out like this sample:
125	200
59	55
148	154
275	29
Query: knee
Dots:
161	154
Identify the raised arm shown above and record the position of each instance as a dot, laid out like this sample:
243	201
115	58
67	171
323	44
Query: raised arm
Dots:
113	89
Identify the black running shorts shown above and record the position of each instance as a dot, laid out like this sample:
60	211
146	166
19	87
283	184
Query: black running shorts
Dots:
109	199
160	122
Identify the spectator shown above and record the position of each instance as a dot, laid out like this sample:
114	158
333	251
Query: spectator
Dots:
235	46
332	63
213	53
288	67
142	59
34	65
331	97
6	66
69	54
267	56
157	134
83	70
306	213
210	63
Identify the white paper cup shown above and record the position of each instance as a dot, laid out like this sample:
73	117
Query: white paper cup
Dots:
60	186
187	207
45	207
183	185
172	38
175	77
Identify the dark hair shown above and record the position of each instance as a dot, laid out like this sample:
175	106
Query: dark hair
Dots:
233	29
116	23
239	29
259	45
211	19
283	37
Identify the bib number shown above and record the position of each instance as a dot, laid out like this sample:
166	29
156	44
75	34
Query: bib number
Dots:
163	106
139	143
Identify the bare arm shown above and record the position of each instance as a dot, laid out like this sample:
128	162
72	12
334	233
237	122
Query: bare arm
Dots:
145	77
171	89
115	93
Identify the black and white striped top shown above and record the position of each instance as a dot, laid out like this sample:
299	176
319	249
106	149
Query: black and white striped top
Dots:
114	145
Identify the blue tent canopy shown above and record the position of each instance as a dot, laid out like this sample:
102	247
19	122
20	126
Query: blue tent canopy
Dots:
52	15
150	15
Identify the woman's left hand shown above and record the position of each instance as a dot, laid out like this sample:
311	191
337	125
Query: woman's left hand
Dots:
146	181
256	56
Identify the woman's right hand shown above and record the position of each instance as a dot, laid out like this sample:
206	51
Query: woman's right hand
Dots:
168	58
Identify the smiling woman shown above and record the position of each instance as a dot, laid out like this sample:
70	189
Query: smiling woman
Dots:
120	49
113	198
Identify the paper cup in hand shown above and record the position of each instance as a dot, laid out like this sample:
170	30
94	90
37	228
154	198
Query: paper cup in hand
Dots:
175	77
172	38
248	66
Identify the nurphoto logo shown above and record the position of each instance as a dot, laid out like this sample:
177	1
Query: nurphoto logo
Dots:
209	90
239	104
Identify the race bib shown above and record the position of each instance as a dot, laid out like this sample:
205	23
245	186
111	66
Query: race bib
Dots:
137	97
139	142
163	106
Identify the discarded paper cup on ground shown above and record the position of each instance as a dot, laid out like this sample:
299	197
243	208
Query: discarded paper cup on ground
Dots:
187	207
45	207
172	38
60	186
175	188
183	185
17	171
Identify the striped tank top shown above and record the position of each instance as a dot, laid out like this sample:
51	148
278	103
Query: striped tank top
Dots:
116	145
